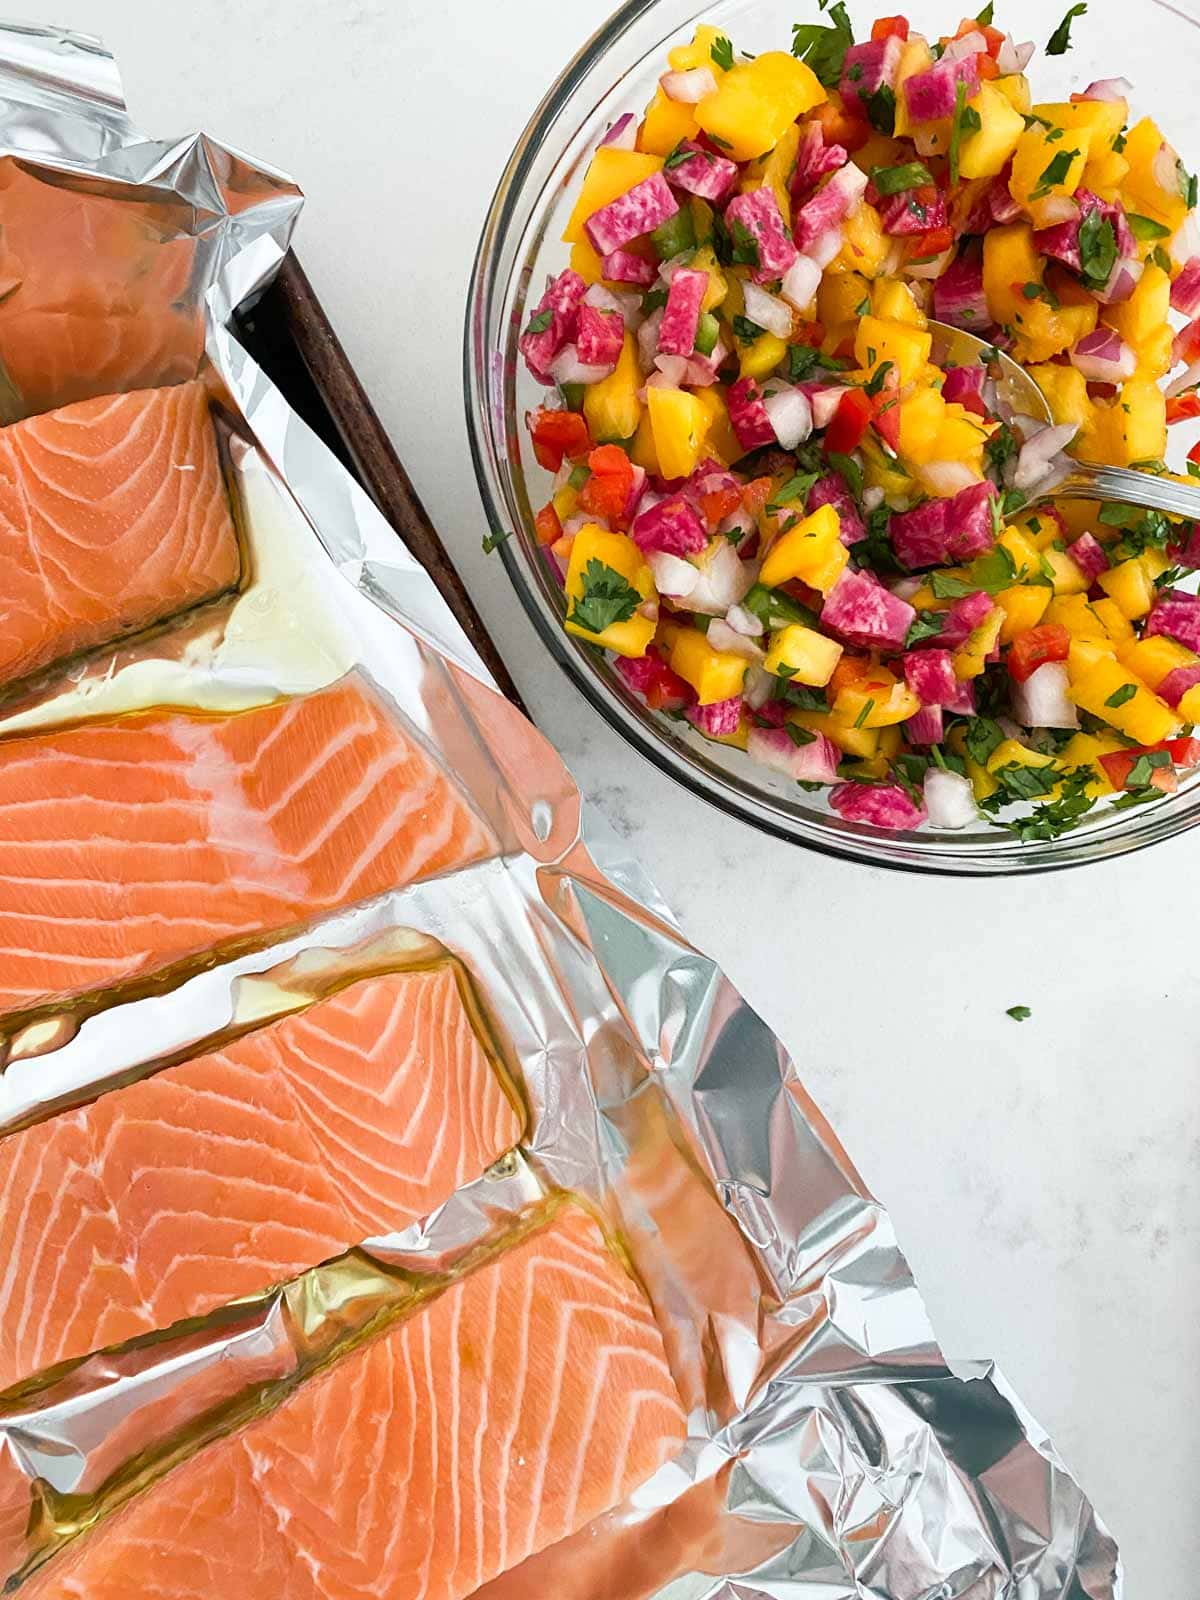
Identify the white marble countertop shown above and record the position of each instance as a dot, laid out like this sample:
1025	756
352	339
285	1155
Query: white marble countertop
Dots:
1044	1177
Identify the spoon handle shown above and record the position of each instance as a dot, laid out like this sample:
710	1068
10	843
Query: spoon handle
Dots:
1088	482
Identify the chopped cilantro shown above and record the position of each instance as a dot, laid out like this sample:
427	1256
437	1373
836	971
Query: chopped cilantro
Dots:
776	610
1097	249
1055	172
1046	822
1019	1013
866	711
607	598
539	322
824	48
722	53
654	301
1025	783
1145	227
745	246
678	156
1001	448
983	738
1161	259
895	180
796	488
492	541
714	138
798	735
849	469
875	551
1013	501
802	362
984	19
1060	39
1121	696
747	331
881	109
956	127
928	625
878	378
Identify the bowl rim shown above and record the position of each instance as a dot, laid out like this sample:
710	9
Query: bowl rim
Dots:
1110	835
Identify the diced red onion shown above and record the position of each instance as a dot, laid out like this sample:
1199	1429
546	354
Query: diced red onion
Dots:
815	762
824	398
647	339
1104	357
671	369
949	799
623	133
1012	57
1123	280
1166	168
1056	208
1038	459
673	576
743	621
931	269
872	499
1186	380
963	385
902	588
948	477
689	88
791	416
1185	243
1185	291
970	44
758	687
567	368
800	283
626	301
1043	700
722	636
767	310
959	298
1110	89
824	249
582	519
702	370
724	580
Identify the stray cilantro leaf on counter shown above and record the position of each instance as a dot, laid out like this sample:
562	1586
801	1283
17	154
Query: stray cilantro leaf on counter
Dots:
493	541
607	598
722	53
1019	1013
1060	39
824	48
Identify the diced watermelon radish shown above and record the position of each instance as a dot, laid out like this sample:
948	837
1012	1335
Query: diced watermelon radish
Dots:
639	211
1177	683
963	704
724	716
919	536
868	68
813	762
1089	556
622	266
705	174
833	490
1187	554
758	212
560	303
932	94
860	610
773	712
1185	291
971	522
673	526
1003	207
600	336
958	296
829	207
677	335
749	416
1177	616
946	530
963	617
930	676
927	727
650	676
814	159
882	805
904	214
963	386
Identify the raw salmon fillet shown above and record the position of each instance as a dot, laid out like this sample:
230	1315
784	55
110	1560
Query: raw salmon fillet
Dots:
113	516
239	1170
529	1398
129	844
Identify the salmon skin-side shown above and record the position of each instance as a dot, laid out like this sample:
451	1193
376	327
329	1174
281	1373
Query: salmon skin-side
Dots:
133	843
528	1398
113	516
242	1169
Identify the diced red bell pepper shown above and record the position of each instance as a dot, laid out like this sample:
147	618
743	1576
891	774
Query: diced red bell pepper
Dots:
1183	407
1033	648
811	334
606	493
548	525
933	242
1194	453
841	128
987	67
849	423
557	434
1183	753
668	691
721	503
756	494
889	28
993	35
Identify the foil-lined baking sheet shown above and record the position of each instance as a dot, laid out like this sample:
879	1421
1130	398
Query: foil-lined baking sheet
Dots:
833	1451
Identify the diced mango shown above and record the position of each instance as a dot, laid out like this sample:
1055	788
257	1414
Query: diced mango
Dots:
1044	330
1102	119
961	437
862	743
1065	389
1024	606
756	102
915	57
1152	659
882	471
1066	576
1104	174
971	659
865	246
1143	716
1078	617
876	702
806	655
842	298
986	151
1143	192
774	171
811	551
565	502
642	452
720	439
1012	753
762	356
1116	623
905	346
666	125
680	425
1014	86
686	57
1145	312
611	174
705	260
892	301
1047	166
1026	556
618	551
1138	421
921	416
1085	750
1010	260
586	262
1084	654
714	674
611	406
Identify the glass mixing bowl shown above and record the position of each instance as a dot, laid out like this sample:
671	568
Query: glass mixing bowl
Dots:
1152	43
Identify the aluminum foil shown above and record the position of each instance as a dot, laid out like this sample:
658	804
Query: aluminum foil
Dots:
833	1450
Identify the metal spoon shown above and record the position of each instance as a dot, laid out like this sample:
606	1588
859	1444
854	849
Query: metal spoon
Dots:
1020	396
